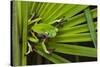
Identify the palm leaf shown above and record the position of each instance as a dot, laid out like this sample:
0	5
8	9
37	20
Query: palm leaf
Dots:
73	49
52	57
90	25
24	7
69	32
75	29
84	37
15	37
78	19
58	12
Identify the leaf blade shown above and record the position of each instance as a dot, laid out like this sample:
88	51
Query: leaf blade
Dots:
78	19
73	49
75	29
52	57
15	36
90	25
83	37
24	7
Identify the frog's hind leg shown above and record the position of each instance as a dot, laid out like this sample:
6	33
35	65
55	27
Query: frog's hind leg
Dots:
59	22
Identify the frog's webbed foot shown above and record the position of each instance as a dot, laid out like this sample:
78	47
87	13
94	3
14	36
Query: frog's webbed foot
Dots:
29	49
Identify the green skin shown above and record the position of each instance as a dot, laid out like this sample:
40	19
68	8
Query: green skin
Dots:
42	29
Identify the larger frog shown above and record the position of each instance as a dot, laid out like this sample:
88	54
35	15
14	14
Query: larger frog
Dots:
45	31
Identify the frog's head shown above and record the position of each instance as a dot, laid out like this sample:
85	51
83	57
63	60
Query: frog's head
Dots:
45	30
51	33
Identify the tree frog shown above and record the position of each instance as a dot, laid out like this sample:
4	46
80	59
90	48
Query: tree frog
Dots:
43	30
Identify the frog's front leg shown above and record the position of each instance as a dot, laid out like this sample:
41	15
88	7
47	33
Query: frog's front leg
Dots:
44	46
34	39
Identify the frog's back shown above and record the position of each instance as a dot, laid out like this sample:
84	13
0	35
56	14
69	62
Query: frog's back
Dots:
42	27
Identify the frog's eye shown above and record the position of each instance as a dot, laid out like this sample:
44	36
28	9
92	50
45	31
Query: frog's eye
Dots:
46	33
